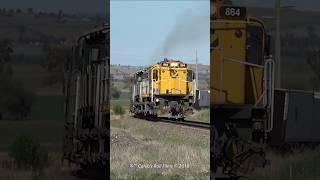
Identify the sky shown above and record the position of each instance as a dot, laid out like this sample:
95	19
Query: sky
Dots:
144	32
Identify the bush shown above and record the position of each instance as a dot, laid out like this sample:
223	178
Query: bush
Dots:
19	101
115	93
28	154
118	109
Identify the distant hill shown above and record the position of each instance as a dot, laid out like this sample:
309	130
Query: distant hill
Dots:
299	36
29	32
306	5
121	71
292	20
70	6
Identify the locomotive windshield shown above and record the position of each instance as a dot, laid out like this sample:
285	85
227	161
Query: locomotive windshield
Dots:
255	47
190	76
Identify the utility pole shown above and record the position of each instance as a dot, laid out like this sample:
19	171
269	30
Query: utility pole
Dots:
277	44
197	73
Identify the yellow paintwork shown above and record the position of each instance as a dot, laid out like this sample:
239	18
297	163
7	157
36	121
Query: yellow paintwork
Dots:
171	80
232	81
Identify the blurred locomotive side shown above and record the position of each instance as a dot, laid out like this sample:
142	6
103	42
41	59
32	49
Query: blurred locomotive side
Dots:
247	113
86	91
241	88
163	90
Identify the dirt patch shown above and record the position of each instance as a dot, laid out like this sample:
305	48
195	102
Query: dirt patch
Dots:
122	139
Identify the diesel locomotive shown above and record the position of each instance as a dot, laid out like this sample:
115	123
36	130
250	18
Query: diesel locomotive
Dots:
86	91
165	89
242	89
248	114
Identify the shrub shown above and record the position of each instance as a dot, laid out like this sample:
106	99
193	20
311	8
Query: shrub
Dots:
115	93
118	109
28	154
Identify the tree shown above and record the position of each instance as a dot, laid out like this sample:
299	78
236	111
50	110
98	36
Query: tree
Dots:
55	60
5	73
19	104
5	50
15	100
128	81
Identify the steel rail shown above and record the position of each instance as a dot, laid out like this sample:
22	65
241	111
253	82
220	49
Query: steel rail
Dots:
196	124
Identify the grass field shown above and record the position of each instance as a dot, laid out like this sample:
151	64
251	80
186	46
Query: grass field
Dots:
45	124
33	78
124	99
149	150
303	165
46	119
202	116
57	170
48	132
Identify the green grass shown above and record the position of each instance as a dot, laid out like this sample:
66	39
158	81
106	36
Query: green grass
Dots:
47	132
47	107
33	78
124	99
149	143
202	115
45	124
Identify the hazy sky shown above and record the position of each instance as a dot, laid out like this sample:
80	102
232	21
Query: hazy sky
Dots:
71	6
144	32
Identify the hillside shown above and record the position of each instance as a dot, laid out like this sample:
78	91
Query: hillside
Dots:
300	37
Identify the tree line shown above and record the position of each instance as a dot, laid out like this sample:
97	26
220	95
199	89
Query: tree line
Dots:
15	100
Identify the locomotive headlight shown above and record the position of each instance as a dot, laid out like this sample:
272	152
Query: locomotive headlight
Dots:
165	64
157	100
182	65
174	64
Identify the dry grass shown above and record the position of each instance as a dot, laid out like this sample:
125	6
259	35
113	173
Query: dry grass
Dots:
138	145
297	166
57	170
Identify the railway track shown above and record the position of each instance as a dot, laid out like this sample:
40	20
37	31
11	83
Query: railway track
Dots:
195	124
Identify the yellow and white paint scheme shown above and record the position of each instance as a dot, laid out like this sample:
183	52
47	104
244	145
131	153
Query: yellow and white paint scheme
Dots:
237	58
165	89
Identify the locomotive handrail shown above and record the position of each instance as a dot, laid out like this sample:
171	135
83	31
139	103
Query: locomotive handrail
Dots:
244	62
269	90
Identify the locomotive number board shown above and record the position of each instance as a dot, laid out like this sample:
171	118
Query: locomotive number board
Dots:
233	12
